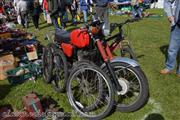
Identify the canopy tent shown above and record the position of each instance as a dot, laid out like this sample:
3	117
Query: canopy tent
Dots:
159	4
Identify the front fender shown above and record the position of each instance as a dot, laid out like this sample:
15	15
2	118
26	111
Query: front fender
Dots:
129	61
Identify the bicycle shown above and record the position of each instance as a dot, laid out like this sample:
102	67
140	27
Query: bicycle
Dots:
119	40
128	79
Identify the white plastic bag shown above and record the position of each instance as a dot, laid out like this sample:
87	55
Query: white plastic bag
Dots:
48	18
19	19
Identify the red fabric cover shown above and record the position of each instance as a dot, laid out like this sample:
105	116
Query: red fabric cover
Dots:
67	49
79	38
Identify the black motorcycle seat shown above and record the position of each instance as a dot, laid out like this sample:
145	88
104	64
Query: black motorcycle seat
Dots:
62	36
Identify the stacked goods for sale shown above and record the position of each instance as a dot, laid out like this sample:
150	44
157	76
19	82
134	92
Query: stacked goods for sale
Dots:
26	51
29	62
20	74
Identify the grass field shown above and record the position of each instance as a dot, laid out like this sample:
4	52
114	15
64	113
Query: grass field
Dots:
149	38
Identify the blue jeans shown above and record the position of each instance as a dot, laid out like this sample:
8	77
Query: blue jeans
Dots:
136	11
24	19
174	47
85	15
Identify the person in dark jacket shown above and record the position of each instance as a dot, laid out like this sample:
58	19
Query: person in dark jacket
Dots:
68	4
36	13
74	7
56	9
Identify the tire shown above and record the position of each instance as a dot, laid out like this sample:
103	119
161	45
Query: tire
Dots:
83	108
121	97
60	71
82	63
47	64
127	51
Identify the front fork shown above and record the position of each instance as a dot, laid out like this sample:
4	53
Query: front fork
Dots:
107	56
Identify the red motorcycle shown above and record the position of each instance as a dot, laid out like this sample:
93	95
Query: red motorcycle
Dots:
89	90
129	81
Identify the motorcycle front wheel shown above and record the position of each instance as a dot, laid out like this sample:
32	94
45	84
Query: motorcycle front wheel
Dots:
90	91
135	91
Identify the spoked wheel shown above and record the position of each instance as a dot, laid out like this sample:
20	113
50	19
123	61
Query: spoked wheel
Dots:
47	64
60	71
90	92
135	91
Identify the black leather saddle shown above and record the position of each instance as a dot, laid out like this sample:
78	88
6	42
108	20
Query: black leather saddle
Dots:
62	36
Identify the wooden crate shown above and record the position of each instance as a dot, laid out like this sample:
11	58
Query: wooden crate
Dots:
5	35
7	62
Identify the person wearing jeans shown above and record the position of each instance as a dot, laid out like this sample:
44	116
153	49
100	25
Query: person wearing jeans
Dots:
102	13
173	14
84	8
24	19
22	10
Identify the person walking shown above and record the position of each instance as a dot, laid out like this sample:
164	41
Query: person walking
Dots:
103	14
74	8
36	13
15	4
22	10
3	14
45	9
2	11
57	9
173	14
84	9
68	4
136	9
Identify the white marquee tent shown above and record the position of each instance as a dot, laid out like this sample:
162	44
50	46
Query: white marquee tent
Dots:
159	4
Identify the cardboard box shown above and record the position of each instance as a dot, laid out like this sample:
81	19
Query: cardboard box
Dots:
7	62
32	54
5	35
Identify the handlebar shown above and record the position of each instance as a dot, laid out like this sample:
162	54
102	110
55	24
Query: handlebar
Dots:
123	23
115	25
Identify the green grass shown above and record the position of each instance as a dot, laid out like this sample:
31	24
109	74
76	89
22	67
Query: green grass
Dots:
149	39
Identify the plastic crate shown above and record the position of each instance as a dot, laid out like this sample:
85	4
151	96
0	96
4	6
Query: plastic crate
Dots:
33	71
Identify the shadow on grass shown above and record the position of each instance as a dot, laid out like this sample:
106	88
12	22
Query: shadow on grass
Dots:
5	89
154	116
164	50
49	104
45	26
42	22
140	56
